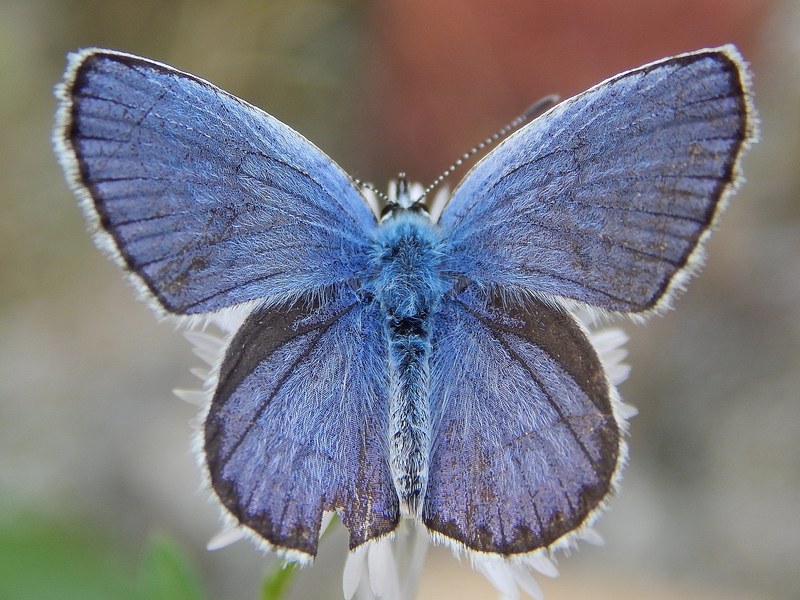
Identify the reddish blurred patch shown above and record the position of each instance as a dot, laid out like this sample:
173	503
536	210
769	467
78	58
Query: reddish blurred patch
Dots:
446	73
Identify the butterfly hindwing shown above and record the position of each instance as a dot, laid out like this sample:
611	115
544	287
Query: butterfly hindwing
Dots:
209	201
606	198
297	425
525	444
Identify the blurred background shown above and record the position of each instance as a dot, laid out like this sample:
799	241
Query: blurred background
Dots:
95	458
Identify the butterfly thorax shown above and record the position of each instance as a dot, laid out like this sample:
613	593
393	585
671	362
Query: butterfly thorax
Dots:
408	285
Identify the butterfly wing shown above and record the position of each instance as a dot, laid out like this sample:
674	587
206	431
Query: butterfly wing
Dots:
298	424
207	200
525	444
607	197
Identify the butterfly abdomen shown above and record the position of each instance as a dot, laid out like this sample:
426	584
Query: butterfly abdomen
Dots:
408	285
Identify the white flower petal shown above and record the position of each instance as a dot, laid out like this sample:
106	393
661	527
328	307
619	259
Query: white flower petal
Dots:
200	373
230	319
418	550
499	575
541	563
205	355
608	339
591	536
618	373
355	567
626	411
204	342
327	519
195	397
224	538
383	576
609	345
526	582
614	357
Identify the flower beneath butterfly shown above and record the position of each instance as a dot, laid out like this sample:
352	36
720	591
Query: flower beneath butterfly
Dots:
389	568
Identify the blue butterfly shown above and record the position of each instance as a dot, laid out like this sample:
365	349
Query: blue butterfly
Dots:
400	366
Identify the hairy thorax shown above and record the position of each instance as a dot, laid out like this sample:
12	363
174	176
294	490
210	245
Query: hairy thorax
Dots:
406	261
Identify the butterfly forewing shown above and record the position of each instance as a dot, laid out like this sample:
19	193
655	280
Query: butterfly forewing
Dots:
209	201
298	424
606	198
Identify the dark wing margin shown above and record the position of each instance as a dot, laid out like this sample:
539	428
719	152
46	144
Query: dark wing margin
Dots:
208	201
526	445
298	422
608	197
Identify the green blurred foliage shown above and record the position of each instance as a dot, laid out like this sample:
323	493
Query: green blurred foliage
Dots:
167	575
42	559
277	583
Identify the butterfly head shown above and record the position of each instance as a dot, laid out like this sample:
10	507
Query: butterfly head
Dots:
401	200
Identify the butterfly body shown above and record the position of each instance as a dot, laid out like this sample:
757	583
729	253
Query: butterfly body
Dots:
408	283
406	366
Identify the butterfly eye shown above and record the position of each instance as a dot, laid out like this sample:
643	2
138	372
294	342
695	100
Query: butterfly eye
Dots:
419	209
389	211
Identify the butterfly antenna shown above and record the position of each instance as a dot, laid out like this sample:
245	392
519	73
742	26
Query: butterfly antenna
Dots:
533	111
370	187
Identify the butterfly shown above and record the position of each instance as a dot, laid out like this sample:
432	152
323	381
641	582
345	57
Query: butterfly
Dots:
404	366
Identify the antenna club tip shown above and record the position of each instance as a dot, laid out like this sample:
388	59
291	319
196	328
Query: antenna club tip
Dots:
540	106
